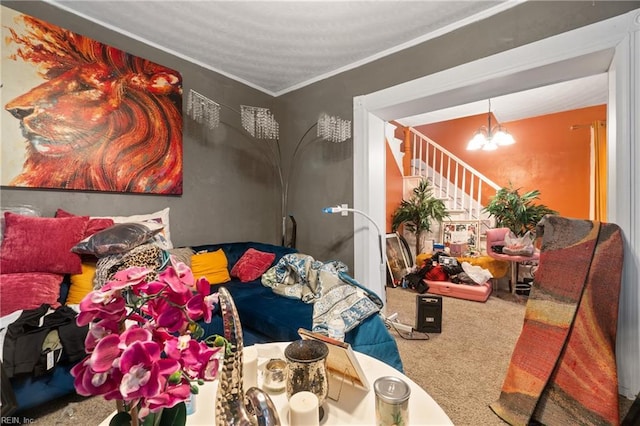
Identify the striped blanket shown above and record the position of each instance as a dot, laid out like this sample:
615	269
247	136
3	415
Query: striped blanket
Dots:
563	368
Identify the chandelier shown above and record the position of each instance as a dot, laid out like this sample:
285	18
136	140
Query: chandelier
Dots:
203	110
333	129
489	138
259	122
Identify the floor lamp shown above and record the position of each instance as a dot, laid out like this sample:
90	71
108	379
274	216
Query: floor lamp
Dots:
260	123
344	210
391	319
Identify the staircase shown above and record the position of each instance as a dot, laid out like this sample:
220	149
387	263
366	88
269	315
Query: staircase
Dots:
456	183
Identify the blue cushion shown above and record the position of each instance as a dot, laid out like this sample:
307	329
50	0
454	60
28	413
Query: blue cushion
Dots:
32	391
64	289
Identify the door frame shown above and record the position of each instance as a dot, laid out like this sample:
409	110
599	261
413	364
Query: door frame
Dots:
611	46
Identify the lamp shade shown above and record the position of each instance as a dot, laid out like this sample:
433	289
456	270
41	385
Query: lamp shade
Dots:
477	142
502	137
490	145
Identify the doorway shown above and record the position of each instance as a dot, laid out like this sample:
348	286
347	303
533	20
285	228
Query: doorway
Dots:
610	46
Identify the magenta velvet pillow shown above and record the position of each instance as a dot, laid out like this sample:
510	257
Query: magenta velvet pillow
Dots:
94	225
41	244
252	265
28	291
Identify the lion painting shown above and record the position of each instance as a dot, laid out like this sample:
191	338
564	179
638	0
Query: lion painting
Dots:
102	120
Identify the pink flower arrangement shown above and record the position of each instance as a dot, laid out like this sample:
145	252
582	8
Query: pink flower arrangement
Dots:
142	344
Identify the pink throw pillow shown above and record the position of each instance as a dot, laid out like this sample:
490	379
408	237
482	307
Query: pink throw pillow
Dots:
94	225
41	244
252	265
28	291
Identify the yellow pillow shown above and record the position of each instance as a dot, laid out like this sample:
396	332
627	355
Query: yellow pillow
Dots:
212	266
81	284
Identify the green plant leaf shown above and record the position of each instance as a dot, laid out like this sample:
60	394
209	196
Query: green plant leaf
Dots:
516	211
174	416
418	212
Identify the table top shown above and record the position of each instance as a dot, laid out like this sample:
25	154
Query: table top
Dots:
354	405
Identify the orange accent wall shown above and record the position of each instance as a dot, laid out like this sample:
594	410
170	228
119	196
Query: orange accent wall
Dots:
394	187
547	155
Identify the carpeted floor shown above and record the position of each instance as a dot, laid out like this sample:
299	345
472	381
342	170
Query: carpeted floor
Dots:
462	368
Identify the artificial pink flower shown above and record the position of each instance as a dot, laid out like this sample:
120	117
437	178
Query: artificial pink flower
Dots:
150	289
175	281
208	361
99	330
135	364
144	371
172	318
202	303
133	334
154	307
178	294
99	305
87	382
194	356
184	273
105	353
129	277
159	335
172	395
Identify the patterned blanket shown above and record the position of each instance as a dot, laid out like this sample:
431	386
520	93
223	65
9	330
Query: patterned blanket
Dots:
145	255
325	284
563	368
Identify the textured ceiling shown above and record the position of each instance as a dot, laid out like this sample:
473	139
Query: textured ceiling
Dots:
279	46
564	96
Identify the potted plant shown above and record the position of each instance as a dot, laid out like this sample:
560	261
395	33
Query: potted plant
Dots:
418	212
144	350
518	212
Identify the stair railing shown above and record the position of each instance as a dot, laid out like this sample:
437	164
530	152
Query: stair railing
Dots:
454	180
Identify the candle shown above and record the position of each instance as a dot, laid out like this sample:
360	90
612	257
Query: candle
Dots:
303	409
250	367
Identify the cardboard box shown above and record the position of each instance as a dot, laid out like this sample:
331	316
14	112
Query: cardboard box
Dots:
458	249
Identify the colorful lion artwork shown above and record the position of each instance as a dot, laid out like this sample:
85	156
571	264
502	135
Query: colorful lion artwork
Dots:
92	118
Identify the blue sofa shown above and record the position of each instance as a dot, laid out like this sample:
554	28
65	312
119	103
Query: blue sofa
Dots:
268	317
265	317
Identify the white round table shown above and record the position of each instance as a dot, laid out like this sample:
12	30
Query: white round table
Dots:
354	405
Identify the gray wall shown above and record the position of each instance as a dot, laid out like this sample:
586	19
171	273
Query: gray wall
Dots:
230	190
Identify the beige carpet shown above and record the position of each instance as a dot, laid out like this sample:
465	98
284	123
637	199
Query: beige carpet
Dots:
462	368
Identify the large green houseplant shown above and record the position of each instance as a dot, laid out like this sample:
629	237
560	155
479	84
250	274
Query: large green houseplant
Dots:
418	212
518	212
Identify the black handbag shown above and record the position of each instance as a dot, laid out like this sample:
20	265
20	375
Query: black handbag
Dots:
415	280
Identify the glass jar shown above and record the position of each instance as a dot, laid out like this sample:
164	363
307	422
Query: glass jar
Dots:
392	401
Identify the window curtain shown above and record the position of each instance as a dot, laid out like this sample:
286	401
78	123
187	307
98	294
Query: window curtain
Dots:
599	170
